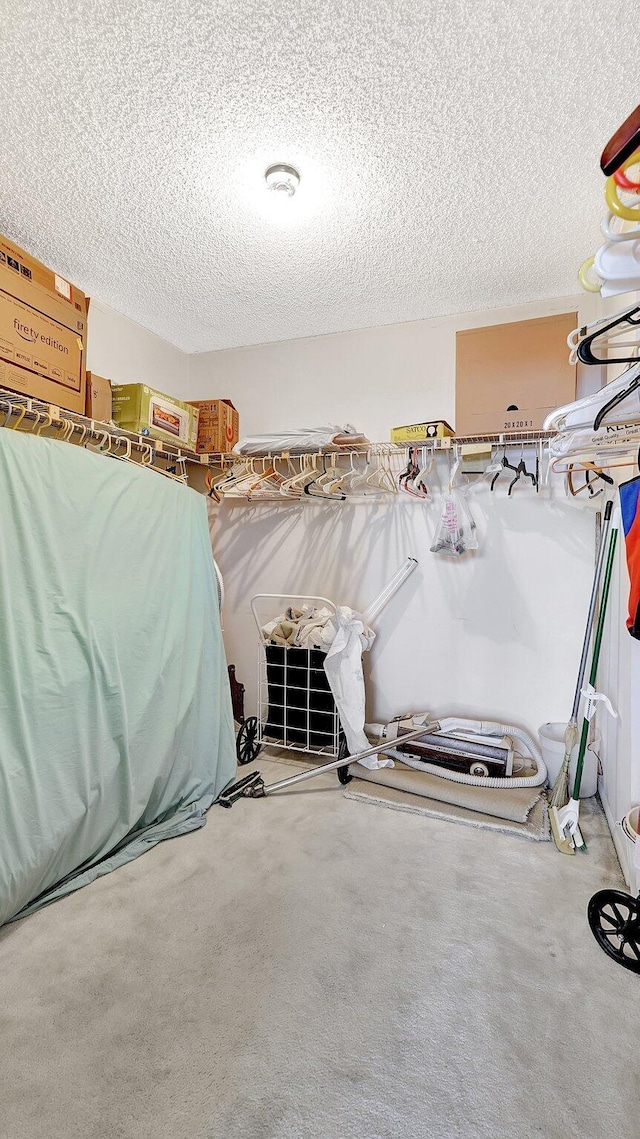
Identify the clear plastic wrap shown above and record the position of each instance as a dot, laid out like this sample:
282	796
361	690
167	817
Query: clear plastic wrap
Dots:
456	531
301	440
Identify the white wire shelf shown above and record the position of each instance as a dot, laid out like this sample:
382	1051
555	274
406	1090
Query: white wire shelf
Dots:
28	413
506	438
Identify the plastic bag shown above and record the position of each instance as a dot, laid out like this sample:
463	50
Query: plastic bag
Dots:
301	440
456	532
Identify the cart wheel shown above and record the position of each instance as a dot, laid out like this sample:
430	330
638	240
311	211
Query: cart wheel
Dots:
614	918
344	775
247	742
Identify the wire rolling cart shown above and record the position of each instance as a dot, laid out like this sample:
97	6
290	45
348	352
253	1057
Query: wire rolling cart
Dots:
296	708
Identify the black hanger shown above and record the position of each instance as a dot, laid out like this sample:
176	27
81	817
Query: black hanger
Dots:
506	466
521	470
411	471
320	493
586	356
615	400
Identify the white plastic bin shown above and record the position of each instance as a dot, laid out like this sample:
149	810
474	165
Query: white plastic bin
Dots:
629	826
551	737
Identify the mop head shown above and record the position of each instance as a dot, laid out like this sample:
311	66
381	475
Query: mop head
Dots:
558	803
561	814
565	829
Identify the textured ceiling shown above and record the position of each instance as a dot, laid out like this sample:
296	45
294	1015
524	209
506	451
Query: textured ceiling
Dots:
448	154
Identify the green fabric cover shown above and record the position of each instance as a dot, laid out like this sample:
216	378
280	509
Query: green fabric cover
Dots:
116	729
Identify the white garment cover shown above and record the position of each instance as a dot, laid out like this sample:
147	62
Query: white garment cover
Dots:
343	666
297	441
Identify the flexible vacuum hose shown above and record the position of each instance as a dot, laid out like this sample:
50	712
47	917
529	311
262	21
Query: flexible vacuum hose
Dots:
483	728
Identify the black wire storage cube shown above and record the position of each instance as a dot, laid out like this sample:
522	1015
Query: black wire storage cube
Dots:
300	711
296	708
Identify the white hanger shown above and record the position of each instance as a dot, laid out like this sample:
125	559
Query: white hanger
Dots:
582	412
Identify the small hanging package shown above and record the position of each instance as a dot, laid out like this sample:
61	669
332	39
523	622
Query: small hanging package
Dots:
456	532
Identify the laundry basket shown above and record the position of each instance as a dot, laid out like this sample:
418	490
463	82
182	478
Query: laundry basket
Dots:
296	709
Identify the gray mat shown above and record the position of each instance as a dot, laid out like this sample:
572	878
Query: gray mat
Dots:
510	803
521	811
536	826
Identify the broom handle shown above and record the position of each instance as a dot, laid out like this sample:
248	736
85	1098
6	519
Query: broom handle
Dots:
592	608
595	658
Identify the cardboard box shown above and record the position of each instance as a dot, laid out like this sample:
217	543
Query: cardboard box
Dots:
420	432
146	411
99	401
43	327
510	376
218	427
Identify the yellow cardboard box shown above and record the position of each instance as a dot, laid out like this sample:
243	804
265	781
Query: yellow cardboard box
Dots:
420	432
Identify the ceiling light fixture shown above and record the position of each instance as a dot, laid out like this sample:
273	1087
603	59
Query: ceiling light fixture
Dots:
283	180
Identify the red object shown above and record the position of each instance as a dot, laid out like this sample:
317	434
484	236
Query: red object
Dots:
621	180
622	144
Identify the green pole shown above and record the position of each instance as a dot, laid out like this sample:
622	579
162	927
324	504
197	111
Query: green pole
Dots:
613	538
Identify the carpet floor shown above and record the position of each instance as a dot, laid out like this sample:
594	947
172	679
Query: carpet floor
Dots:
313	967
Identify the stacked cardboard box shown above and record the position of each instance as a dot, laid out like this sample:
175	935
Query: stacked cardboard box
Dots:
218	426
99	400
43	328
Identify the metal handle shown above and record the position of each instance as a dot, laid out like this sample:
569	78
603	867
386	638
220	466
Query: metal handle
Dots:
425	730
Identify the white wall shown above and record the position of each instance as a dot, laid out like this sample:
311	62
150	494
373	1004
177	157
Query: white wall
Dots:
375	378
496	634
125	352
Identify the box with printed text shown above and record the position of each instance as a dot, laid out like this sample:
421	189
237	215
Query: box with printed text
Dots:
43	330
218	427
145	411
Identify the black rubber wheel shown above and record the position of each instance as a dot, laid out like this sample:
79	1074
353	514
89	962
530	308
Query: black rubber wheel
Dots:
344	775
247	743
614	919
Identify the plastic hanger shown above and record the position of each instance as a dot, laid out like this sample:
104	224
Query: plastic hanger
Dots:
522	472
318	483
622	144
592	475
381	475
343	478
505	465
594	330
408	477
619	263
615	236
15	426
616	399
628	210
584	349
580	413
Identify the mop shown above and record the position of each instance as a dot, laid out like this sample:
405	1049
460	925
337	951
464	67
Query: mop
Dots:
564	810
